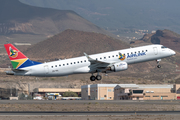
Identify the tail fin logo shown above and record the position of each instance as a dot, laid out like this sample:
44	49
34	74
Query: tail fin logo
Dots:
13	53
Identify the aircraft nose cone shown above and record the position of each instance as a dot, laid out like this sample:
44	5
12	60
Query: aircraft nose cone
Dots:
173	52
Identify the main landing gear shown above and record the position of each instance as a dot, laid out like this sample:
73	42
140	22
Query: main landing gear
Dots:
93	78
158	61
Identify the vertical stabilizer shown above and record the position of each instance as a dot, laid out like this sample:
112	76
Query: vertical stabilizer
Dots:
18	59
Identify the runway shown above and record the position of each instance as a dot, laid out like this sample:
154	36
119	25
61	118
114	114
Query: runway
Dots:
83	113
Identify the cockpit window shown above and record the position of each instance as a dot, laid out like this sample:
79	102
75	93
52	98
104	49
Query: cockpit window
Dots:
163	47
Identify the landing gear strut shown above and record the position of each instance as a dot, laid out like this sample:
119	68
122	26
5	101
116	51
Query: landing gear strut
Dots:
98	77
158	61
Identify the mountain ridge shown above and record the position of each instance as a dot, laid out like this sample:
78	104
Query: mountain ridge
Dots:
20	19
165	37
72	43
140	14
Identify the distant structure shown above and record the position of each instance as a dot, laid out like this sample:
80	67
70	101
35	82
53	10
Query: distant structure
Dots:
22	43
154	31
130	92
45	92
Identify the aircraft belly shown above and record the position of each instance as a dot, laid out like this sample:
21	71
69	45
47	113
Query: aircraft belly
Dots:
85	69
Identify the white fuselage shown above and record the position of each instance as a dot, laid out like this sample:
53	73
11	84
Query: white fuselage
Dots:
81	65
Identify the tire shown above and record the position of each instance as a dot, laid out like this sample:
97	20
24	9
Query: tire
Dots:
159	66
92	78
98	77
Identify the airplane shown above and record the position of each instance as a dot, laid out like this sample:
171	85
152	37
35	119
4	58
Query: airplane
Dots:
107	62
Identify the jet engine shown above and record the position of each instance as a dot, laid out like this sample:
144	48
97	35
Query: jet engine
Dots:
119	66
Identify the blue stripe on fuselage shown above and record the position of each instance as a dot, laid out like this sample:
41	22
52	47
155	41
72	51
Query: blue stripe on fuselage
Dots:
28	63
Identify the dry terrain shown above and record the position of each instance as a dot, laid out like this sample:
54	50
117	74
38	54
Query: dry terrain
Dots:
93	106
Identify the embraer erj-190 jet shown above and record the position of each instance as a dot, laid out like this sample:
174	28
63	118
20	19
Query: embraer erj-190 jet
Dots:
113	61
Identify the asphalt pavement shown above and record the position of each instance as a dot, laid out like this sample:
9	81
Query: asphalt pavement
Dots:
83	113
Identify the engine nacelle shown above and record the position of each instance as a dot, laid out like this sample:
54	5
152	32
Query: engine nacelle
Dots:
119	66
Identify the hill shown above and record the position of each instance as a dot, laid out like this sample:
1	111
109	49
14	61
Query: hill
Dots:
33	24
73	43
165	37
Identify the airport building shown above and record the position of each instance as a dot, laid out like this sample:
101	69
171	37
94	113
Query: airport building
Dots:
100	91
55	92
130	92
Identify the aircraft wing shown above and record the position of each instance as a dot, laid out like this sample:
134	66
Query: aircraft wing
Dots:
96	64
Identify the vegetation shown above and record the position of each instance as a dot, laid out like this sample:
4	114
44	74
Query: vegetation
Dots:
70	94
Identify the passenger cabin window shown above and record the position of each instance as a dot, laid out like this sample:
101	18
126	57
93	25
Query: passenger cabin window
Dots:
146	50
104	57
81	61
109	56
67	63
52	66
142	50
84	60
116	55
74	62
71	63
55	65
78	62
96	59
113	56
63	64
100	58
59	65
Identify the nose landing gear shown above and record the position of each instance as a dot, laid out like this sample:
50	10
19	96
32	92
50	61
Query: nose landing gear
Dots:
158	61
159	66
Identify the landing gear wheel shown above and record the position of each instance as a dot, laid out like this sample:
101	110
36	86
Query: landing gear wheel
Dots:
159	66
98	77
92	78
158	61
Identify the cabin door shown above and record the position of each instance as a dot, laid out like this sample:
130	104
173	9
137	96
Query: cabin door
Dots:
46	68
155	50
